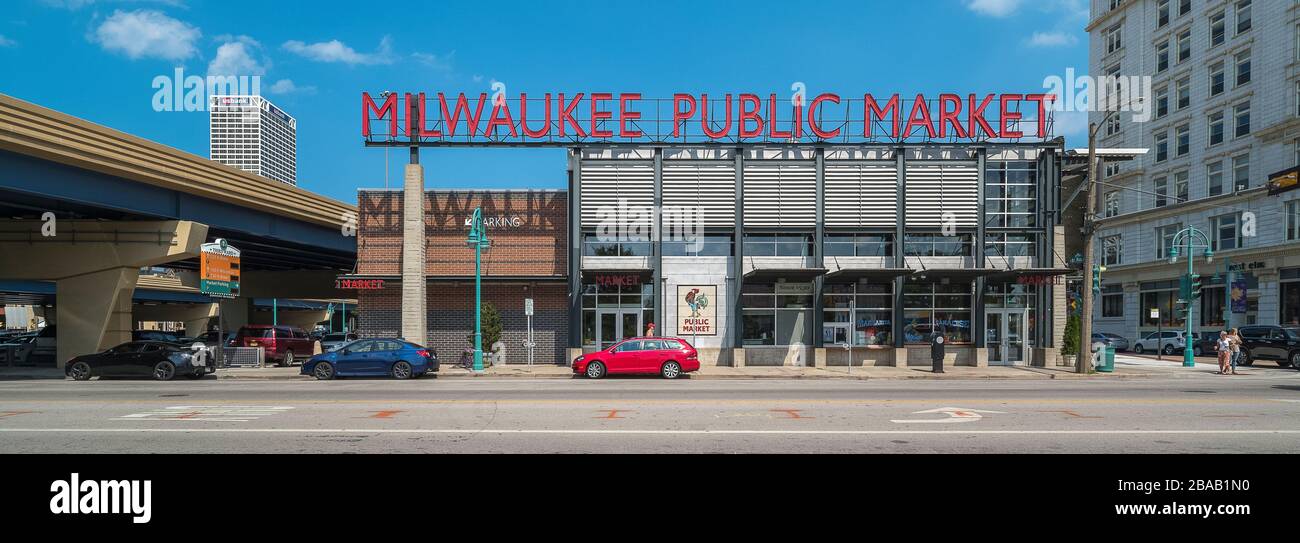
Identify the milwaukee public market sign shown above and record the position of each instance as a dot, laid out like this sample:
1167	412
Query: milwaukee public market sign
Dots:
601	117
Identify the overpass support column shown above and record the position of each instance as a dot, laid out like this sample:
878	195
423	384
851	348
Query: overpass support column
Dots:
414	300
94	311
234	313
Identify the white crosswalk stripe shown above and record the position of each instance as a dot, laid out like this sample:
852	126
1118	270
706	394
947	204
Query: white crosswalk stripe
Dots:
208	413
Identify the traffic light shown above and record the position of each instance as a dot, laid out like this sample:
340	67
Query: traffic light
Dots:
1196	288
1183	304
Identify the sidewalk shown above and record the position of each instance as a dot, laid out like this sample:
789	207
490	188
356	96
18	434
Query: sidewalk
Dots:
707	372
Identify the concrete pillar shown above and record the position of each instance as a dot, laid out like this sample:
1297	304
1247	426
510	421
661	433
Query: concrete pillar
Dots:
95	311
414	327
234	313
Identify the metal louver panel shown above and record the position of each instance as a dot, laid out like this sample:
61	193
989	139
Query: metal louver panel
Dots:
709	187
861	195
780	195
607	186
933	190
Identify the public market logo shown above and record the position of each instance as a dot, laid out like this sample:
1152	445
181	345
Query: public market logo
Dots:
91	497
696	301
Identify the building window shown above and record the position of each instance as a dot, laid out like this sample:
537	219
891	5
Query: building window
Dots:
1217	79
1243	68
928	306
776	313
1290	298
1160	295
1162	13
867	308
1227	233
1162	56
1293	220
1162	191
1214	178
1184	91
1113	38
1218	29
1162	147
1216	127
1112	169
1112	203
1182	140
1009	245
1243	16
1010	194
837	244
1162	101
594	245
1241	172
706	245
627	298
1212	306
1184	7
1112	250
937	245
778	244
1241	112
1180	187
1166	236
1112	301
1184	45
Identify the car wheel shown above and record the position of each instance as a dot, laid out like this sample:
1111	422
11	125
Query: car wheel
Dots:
1138	349
401	370
1169	349
79	371
595	370
1245	358
164	371
1295	360
670	370
1289	361
323	371
287	360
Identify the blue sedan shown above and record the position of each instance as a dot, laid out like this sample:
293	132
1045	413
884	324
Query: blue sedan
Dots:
373	357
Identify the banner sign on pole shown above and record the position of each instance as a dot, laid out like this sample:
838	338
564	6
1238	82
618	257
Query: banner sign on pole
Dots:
219	269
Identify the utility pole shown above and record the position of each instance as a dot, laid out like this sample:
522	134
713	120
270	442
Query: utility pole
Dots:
1084	364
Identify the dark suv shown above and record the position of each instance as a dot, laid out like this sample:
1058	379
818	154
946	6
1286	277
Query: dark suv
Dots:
1270	342
283	344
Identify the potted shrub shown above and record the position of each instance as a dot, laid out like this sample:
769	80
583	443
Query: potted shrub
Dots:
1070	348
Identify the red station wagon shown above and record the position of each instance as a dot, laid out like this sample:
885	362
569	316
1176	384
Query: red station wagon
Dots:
283	344
667	356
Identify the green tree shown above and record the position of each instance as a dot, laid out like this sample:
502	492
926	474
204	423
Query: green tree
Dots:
1072	331
491	327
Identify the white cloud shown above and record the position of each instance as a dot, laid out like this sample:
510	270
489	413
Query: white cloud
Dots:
78	4
287	86
993	8
147	33
337	51
236	58
441	62
6	42
1070	123
1052	39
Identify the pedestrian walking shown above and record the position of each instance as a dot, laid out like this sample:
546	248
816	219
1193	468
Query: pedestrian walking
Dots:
1235	339
936	350
1224	348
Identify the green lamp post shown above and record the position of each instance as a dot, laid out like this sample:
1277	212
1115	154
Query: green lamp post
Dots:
1189	240
479	241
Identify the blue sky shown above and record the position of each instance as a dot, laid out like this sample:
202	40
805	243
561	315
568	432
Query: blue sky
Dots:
96	59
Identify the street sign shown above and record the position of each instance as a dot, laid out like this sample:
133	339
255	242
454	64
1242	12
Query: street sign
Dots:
219	269
1155	313
528	307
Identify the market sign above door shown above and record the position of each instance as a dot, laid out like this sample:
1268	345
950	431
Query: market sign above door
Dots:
568	119
359	284
219	269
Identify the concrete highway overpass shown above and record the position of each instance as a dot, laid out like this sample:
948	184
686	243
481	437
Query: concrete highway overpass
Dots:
121	203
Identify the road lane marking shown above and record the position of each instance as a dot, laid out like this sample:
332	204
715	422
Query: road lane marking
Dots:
1072	414
208	413
385	414
6	414
613	414
643	432
791	413
955	415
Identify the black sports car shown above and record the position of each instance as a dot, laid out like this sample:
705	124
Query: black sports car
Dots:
158	359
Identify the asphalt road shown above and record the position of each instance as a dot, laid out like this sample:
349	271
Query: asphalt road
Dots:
1254	413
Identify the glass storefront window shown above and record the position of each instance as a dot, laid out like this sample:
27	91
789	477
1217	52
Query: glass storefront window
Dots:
593	245
937	245
865	308
1212	305
1290	310
772	317
708	245
597	299
930	305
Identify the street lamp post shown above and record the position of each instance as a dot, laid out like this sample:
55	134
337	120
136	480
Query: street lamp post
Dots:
1187	239
479	241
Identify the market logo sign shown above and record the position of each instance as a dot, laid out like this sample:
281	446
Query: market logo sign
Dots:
359	284
696	314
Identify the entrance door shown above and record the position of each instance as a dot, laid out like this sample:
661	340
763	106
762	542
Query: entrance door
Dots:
1005	335
835	333
615	325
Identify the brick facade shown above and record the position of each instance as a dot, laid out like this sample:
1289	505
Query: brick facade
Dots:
528	258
